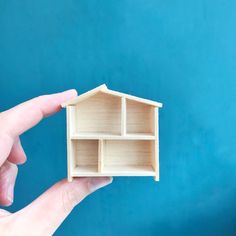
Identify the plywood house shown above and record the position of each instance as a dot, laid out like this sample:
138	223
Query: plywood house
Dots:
112	134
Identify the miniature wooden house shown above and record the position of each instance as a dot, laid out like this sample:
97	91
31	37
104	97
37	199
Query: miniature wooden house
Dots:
112	134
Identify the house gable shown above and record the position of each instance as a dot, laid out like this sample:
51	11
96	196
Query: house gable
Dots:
103	88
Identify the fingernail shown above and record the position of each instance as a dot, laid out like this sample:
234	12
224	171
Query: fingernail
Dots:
99	182
70	93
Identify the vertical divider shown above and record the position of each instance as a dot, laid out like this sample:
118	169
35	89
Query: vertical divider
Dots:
70	148
156	145
123	116
100	155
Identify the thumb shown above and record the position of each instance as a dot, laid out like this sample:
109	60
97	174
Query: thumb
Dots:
46	213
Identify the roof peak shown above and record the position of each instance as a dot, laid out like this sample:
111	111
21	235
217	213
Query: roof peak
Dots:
103	88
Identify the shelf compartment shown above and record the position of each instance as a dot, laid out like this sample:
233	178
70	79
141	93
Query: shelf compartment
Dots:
133	157
100	113
139	118
85	156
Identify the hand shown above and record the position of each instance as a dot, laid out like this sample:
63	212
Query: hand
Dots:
44	215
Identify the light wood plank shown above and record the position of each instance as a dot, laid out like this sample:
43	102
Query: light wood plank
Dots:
123	116
70	114
121	170
139	118
88	170
84	96
100	156
114	137
100	113
103	88
156	149
127	152
133	98
86	152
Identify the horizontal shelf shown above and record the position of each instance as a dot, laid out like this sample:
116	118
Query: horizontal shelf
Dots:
132	170
85	169
144	136
120	170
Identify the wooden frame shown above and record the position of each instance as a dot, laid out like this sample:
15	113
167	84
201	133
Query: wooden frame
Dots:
112	134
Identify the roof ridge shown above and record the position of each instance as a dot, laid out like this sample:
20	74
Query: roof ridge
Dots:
103	88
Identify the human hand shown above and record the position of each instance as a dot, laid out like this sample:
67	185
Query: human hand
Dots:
44	215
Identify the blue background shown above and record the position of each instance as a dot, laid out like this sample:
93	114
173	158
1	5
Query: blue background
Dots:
182	53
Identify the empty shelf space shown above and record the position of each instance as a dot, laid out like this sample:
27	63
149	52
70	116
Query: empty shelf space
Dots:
94	136
85	155
113	157
100	113
128	155
139	118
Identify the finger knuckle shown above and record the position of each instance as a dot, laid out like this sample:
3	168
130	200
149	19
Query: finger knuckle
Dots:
8	166
12	167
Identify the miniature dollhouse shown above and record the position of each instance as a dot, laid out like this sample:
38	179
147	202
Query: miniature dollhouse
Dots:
112	134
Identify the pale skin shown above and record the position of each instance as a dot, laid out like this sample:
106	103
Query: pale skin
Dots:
45	214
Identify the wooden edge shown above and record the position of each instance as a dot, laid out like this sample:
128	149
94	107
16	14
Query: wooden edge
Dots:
123	116
145	101
84	96
157	168
69	146
69	178
100	155
134	98
103	88
113	137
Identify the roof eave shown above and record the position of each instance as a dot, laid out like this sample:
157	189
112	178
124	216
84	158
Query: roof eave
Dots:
84	96
103	88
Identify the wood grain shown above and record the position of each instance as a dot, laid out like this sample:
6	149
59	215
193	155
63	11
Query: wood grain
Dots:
112	134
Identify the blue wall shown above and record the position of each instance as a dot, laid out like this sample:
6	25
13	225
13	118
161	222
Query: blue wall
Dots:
182	53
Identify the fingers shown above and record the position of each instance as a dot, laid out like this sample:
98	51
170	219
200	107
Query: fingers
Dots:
48	211
17	120
4	213
17	154
24	116
6	143
8	173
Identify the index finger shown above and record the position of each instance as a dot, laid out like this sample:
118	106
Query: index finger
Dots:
20	118
26	115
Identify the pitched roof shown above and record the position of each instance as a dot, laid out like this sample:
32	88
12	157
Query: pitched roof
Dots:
103	88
